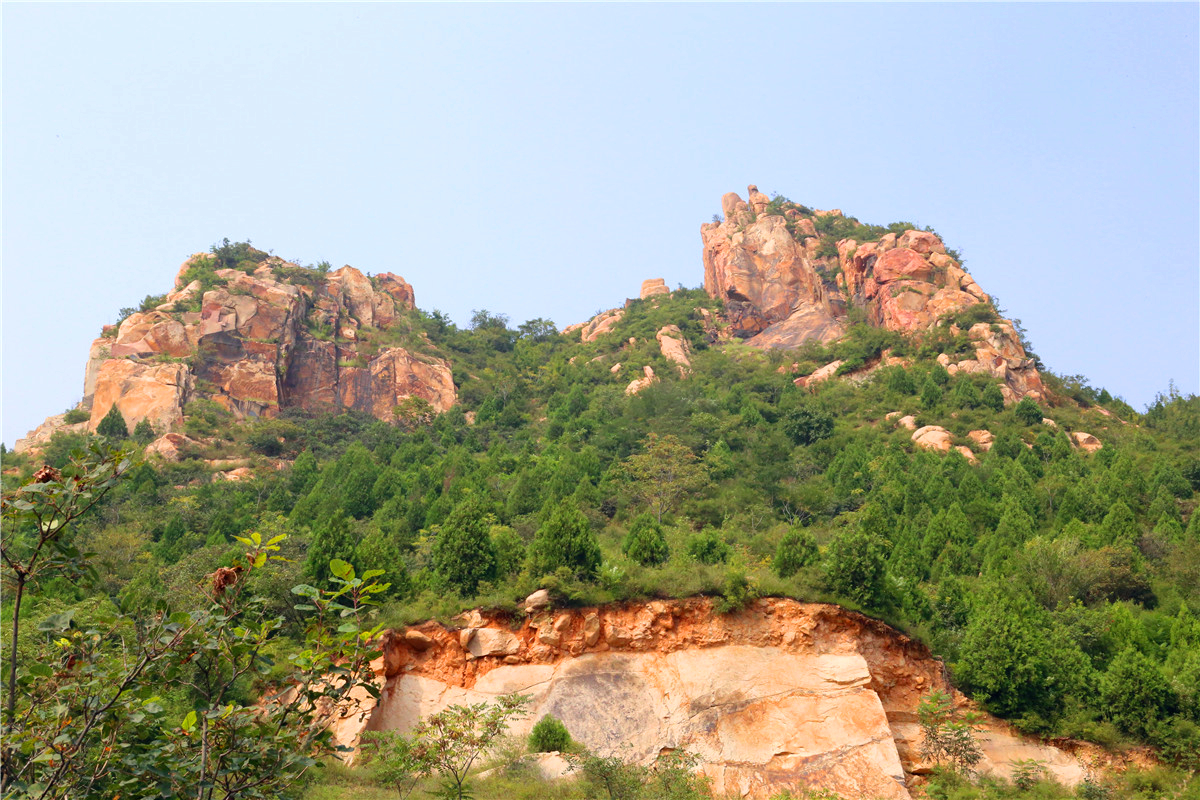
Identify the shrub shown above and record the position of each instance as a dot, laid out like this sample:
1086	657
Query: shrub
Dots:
645	542
75	416
1028	412
807	425
708	547
549	735
797	549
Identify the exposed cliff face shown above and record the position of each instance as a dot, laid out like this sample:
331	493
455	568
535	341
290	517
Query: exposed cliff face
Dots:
258	342
784	283
780	695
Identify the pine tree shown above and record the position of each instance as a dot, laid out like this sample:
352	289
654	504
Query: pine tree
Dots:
645	542
565	539
112	426
143	432
463	554
1028	412
797	549
331	538
992	397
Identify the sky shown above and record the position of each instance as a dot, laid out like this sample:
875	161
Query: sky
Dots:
542	160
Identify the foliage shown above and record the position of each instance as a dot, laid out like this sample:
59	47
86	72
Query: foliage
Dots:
1028	412
100	725
663	473
112	426
463	554
549	735
565	541
451	740
796	549
946	734
645	543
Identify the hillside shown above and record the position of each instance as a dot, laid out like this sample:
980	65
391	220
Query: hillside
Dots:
840	415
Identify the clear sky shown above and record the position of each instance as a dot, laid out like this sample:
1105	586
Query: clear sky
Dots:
541	160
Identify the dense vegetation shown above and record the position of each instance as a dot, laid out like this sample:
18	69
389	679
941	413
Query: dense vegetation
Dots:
1061	588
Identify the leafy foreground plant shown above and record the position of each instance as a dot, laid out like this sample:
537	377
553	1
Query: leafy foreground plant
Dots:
448	743
946	735
95	719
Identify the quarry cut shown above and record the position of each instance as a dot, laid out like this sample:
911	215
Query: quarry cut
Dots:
780	695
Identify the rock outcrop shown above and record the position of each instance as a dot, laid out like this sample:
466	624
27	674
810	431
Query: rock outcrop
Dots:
788	276
781	695
258	341
675	348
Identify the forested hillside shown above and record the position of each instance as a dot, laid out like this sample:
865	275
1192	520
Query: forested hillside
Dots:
1060	581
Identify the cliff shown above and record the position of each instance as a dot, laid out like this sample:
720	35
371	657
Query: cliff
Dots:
789	274
259	337
781	695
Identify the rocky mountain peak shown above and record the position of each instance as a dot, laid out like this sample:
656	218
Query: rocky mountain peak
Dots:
789	274
256	334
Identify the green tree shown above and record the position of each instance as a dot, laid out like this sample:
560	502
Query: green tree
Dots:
931	393
102	694
645	542
1134	693
807	425
796	549
1028	412
855	567
1013	655
112	426
946	734
663	473
463	554
992	397
143	432
708	547
332	538
450	741
565	540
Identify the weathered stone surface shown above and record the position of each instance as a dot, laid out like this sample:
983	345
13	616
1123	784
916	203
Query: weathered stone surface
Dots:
480	642
154	392
637	385
169	446
653	286
933	437
909	422
774	274
1086	442
982	438
255	347
782	695
819	375
600	324
538	601
40	436
675	348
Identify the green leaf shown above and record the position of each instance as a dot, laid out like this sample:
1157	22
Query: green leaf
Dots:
40	670
56	622
372	573
189	722
341	569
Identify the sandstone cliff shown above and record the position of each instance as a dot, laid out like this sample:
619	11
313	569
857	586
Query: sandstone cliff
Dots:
789	274
781	695
262	337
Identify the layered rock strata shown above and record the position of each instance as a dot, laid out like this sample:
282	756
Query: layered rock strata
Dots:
781	695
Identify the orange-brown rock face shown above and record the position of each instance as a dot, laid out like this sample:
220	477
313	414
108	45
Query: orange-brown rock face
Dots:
781	695
258	343
783	284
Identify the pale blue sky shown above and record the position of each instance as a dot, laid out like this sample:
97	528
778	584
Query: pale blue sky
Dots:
541	160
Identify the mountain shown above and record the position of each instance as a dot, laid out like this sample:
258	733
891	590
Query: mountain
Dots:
836	460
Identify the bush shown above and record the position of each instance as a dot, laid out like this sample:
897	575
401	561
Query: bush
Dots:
806	425
549	735
645	542
708	547
75	416
1028	412
797	549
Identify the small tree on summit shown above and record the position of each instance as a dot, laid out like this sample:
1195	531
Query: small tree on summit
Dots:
113	425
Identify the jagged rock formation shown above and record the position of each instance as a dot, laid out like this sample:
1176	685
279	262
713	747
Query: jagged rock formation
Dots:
781	695
784	282
258	341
